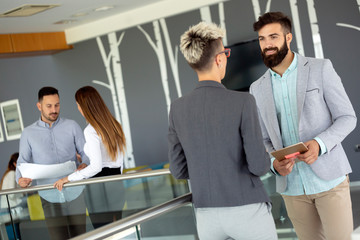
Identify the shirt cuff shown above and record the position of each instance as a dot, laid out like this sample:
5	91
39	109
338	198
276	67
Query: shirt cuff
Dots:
272	167
74	176
323	149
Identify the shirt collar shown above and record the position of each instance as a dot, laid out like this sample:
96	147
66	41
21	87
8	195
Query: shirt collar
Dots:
291	68
41	123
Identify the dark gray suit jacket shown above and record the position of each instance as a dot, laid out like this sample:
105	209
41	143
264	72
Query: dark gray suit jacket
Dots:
215	141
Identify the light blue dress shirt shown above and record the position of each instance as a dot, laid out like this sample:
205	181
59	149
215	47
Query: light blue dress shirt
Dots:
42	144
302	180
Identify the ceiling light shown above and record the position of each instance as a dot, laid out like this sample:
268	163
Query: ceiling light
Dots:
80	14
103	8
66	21
27	10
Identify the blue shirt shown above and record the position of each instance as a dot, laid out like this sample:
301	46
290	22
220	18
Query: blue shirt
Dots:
42	144
302	180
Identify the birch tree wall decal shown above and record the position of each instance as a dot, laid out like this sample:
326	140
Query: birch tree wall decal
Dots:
315	29
350	25
158	48
113	70
257	9
205	14
297	26
222	21
173	58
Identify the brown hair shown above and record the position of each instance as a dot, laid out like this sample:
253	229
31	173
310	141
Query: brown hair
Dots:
14	157
45	91
98	115
273	17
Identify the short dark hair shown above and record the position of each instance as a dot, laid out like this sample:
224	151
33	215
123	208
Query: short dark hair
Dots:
47	91
273	17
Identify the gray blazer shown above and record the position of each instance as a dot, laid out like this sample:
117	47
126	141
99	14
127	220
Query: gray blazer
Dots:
324	111
215	141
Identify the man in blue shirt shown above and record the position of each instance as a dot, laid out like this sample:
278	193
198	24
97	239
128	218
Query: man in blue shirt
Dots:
302	99
55	140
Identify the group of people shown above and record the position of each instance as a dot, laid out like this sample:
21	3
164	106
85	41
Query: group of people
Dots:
55	140
221	139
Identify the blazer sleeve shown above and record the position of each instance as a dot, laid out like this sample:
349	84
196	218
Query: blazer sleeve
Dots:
178	164
342	112
256	156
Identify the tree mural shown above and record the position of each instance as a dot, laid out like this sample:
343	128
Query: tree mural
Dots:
159	26
315	29
113	70
206	17
158	48
350	25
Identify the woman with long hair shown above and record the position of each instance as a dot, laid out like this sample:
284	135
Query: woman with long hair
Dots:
105	146
105	140
8	182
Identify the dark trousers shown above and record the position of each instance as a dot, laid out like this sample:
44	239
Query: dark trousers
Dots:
65	220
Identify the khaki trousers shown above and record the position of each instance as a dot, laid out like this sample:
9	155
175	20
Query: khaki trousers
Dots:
322	216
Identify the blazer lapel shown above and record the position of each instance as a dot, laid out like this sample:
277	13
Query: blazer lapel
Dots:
271	121
301	84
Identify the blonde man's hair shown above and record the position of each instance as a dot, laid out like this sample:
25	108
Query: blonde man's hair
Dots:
200	42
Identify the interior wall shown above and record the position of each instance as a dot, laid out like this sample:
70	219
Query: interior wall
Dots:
21	78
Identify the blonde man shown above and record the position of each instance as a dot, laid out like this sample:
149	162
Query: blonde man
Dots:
215	141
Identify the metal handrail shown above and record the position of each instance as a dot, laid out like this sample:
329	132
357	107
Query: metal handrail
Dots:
135	219
112	178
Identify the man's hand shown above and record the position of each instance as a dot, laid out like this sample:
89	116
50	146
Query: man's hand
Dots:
81	166
24	182
312	154
60	183
284	167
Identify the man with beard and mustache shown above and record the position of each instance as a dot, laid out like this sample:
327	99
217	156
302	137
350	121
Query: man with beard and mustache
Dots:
302	99
54	140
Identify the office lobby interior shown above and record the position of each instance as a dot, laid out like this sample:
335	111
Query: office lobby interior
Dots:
129	51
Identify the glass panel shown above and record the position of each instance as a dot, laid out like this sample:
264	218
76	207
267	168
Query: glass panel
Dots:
175	225
10	217
283	224
86	207
128	234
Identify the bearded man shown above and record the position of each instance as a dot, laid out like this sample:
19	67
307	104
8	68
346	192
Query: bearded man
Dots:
302	99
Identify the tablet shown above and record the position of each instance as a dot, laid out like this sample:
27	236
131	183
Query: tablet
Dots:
290	151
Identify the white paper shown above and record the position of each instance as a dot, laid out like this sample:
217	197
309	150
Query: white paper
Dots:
42	171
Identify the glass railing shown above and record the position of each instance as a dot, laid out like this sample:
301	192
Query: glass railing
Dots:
109	199
172	220
284	228
175	220
92	203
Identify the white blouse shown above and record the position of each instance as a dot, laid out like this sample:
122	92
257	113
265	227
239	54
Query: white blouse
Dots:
10	183
99	158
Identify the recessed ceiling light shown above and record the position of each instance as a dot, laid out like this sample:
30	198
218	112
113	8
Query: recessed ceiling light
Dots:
66	21
80	14
103	8
27	10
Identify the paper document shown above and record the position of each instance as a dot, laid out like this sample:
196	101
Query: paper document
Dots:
42	171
